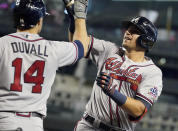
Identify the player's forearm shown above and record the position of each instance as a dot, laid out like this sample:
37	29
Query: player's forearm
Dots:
133	107
81	34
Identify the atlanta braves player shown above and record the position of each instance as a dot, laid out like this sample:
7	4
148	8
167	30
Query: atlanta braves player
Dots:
28	66
128	83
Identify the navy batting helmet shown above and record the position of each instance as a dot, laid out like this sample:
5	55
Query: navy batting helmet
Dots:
27	13
148	31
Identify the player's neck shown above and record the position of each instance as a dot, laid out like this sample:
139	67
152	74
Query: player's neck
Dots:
136	56
28	31
33	30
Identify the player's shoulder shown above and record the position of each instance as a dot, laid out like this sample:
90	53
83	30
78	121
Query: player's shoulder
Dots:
153	68
25	36
8	36
3	39
97	40
107	47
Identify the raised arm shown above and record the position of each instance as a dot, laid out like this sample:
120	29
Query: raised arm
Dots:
81	34
77	11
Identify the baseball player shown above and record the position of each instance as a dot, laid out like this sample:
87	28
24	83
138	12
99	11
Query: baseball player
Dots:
28	65
128	83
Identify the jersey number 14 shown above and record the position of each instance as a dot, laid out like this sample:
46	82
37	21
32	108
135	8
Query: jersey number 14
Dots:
38	79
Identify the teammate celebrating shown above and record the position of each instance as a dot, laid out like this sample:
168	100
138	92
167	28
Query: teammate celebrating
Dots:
28	66
128	83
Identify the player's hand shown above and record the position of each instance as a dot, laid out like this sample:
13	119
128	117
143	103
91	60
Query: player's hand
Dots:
76	8
69	10
69	6
80	8
105	82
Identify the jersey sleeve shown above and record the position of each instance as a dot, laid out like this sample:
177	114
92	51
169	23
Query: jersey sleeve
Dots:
67	53
100	49
150	88
148	91
1	47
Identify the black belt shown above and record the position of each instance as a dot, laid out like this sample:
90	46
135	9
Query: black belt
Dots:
102	126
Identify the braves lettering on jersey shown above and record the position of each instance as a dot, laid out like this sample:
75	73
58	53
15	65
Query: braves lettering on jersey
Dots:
141	81
28	65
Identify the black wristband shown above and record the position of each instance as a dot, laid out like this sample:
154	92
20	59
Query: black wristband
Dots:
71	24
118	97
71	19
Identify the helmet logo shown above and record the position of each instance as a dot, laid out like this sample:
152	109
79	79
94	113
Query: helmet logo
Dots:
135	20
18	2
33	7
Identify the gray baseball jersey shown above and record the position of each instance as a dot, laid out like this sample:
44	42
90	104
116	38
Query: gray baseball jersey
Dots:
142	81
28	65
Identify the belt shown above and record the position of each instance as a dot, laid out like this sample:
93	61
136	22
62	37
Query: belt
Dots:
102	125
29	114
26	114
18	129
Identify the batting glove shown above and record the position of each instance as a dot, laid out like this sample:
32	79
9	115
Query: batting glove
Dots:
75	9
105	82
80	8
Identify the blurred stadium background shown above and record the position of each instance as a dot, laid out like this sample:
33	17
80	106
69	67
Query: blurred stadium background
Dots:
73	85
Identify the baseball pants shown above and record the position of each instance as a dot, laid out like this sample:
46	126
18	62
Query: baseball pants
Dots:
11	121
89	123
83	125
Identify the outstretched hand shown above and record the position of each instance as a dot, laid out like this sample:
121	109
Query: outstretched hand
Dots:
76	8
80	8
69	5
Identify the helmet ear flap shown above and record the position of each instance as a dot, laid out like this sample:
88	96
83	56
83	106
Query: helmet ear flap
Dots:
144	42
141	41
